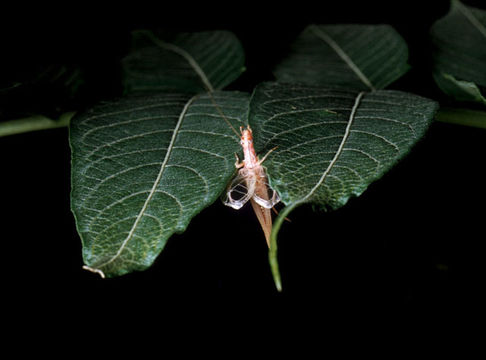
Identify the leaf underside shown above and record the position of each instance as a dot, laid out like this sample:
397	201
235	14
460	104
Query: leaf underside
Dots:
333	143
459	52
461	90
188	62
362	57
142	167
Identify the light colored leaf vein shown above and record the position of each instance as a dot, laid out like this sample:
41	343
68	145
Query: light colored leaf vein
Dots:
319	139
377	136
338	152
206	184
200	150
119	155
131	137
122	172
207	133
388	119
280	114
470	16
332	95
130	110
342	54
154	188
188	57
276	135
364	153
122	123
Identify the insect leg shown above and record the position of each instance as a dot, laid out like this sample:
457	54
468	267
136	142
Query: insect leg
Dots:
238	164
268	153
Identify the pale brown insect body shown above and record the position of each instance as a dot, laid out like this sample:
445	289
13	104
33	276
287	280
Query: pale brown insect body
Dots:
251	184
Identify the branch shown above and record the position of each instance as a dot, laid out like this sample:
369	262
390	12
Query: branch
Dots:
466	117
34	123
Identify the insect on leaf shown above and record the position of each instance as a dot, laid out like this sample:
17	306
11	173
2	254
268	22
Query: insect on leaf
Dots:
332	144
239	192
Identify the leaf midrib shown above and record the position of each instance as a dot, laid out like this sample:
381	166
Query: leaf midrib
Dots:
472	19
204	79
339	151
287	209
152	191
342	54
187	56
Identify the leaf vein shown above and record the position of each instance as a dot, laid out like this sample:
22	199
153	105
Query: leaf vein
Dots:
154	188
340	52
392	144
339	150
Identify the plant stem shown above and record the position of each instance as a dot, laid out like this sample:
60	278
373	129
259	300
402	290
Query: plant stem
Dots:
33	123
272	255
466	117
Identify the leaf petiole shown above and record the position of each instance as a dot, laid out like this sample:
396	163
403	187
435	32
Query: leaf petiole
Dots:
272	254
466	117
34	123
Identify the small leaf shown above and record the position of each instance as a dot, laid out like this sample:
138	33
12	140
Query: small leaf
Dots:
460	89
332	144
187	62
142	167
459	53
362	57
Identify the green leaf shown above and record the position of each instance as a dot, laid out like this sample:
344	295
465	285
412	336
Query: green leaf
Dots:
187	62
142	167
332	144
460	89
459	52
362	57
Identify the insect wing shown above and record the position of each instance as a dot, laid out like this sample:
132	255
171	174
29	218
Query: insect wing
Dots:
240	190
273	200
264	195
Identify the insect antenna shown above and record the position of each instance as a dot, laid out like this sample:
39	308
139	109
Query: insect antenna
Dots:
220	111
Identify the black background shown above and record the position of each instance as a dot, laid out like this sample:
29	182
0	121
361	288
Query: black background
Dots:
411	243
